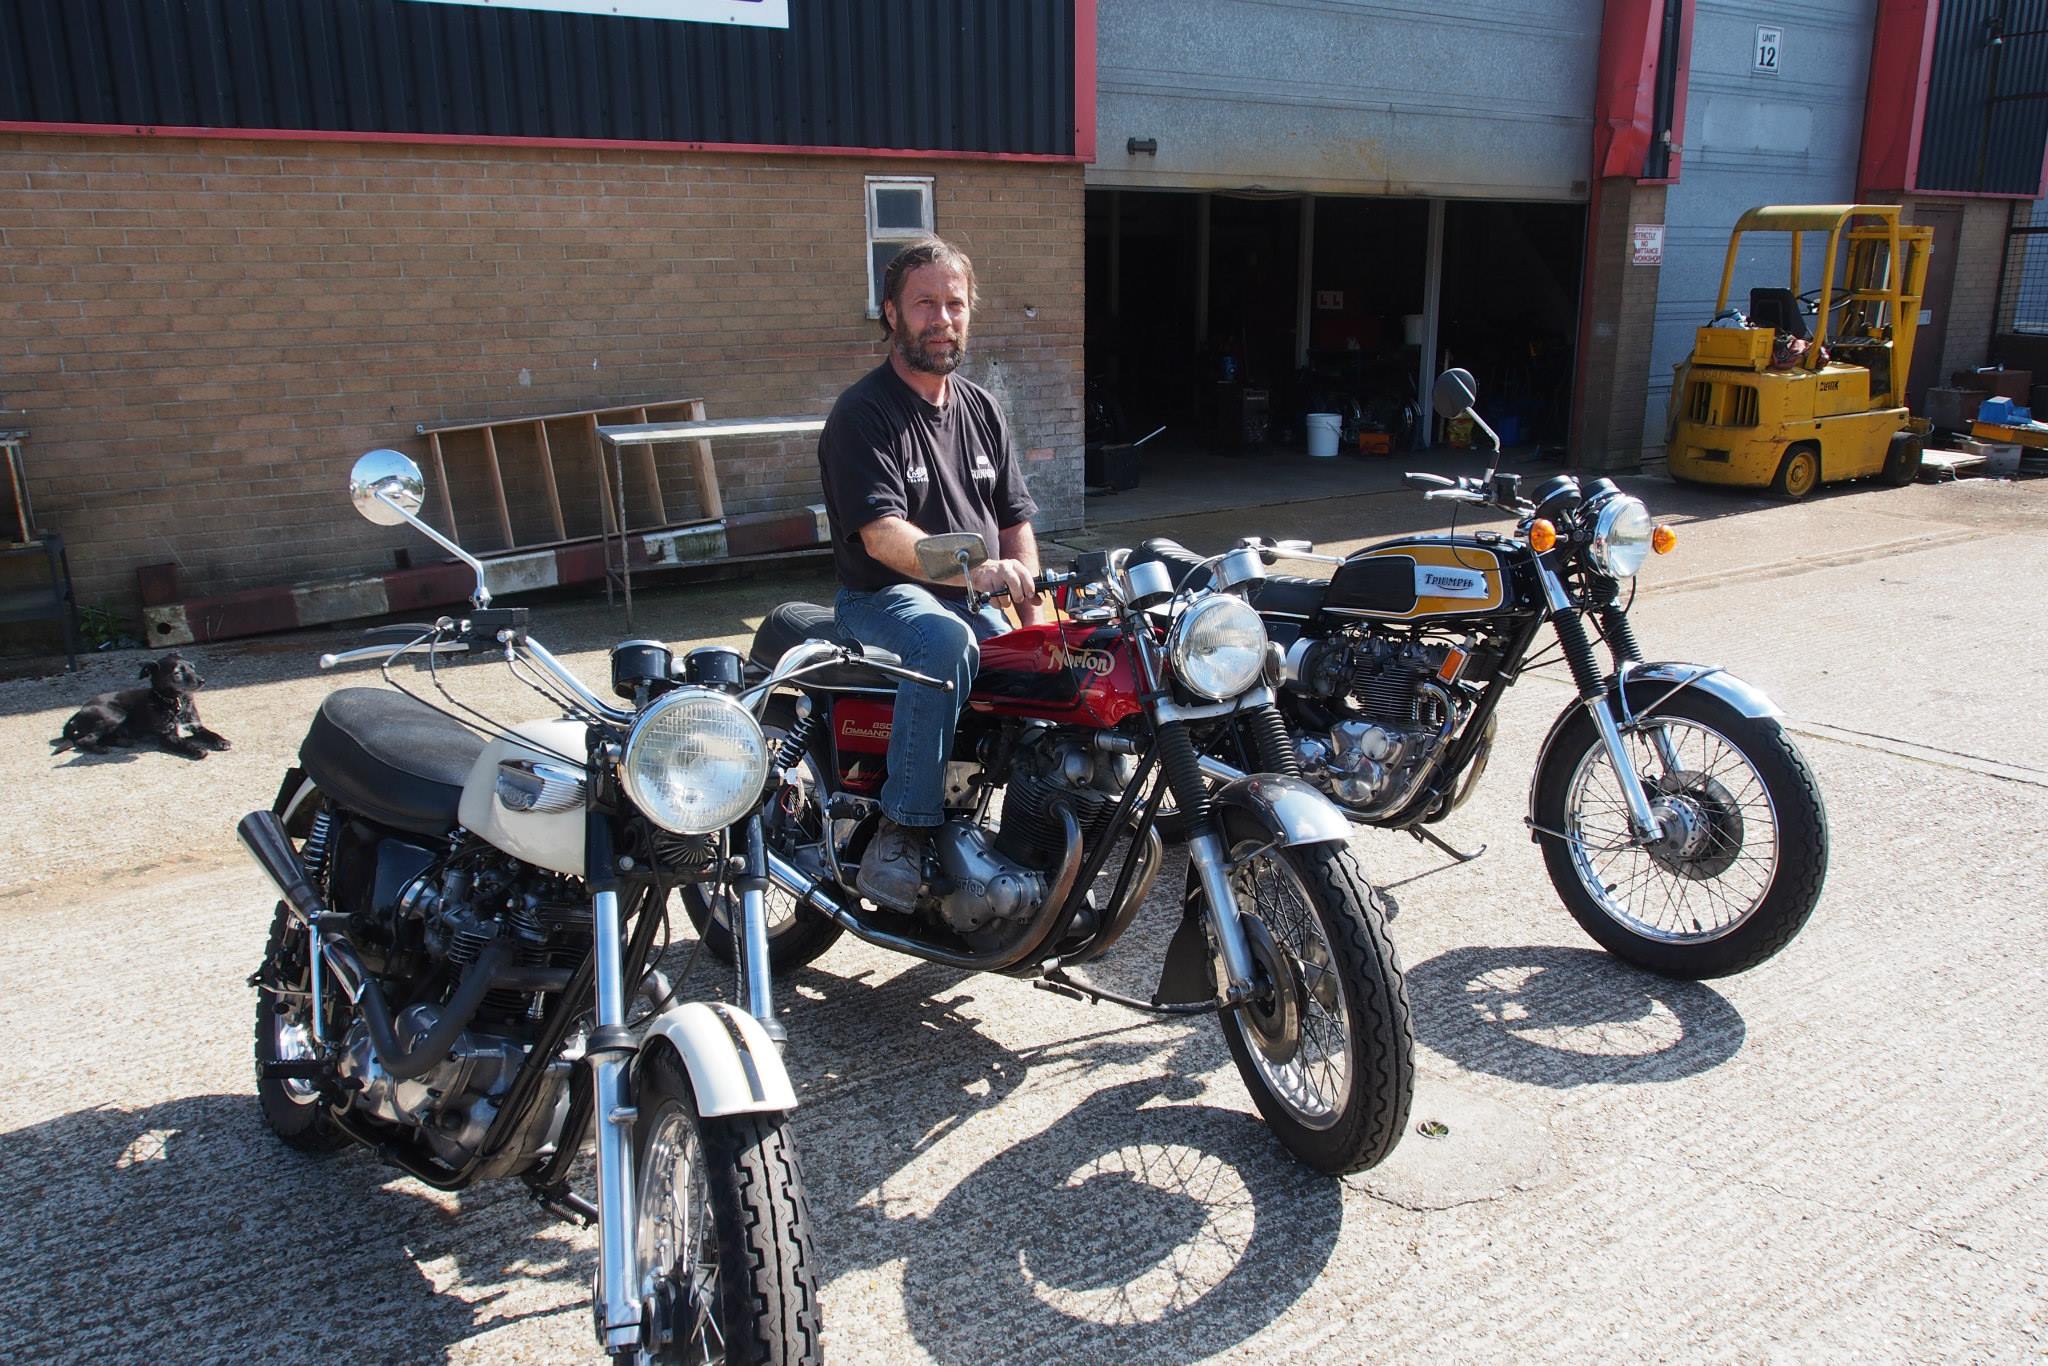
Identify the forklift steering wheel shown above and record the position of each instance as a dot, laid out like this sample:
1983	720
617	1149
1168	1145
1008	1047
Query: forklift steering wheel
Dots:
1810	301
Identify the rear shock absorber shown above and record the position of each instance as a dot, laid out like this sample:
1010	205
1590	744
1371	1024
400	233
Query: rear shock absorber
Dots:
1271	742
797	741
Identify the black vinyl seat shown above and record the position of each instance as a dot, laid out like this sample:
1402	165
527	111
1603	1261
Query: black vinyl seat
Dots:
387	757
1281	595
793	623
1778	309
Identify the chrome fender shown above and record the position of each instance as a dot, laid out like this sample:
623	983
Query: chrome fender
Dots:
734	1067
1288	807
1649	686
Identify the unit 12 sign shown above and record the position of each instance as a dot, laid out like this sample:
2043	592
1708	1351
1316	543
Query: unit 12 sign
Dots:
1767	49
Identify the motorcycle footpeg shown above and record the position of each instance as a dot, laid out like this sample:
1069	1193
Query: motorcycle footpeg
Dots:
567	1204
298	1069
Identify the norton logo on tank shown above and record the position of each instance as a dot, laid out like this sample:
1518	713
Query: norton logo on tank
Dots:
1450	583
751	13
1065	656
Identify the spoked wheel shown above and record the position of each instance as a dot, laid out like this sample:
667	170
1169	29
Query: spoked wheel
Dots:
292	1106
1743	848
795	824
1329	1053
723	1231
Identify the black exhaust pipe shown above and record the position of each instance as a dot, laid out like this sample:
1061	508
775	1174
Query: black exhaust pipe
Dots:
263	834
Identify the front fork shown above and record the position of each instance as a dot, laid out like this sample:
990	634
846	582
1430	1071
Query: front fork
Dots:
611	1052
1209	857
1598	699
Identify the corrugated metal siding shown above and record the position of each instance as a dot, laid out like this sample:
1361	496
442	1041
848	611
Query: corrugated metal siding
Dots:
1484	99
1987	106
1753	139
938	75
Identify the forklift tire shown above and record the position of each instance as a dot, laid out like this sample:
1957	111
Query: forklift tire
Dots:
1902	460
1798	472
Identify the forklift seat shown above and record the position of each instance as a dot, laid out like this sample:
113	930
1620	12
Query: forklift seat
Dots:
1778	309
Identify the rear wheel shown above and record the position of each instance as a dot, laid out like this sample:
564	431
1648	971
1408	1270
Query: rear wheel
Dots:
1799	472
1902	459
724	1230
293	1108
1329	1054
795	822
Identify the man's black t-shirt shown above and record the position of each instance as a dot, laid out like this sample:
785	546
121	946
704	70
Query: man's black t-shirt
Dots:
885	452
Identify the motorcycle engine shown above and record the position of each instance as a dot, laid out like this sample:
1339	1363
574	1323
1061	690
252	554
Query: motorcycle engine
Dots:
424	915
1369	756
998	881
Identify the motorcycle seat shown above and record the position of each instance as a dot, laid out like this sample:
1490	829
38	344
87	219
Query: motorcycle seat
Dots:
389	758
793	623
1280	595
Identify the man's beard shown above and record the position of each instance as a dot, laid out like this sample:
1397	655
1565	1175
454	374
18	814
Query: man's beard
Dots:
918	354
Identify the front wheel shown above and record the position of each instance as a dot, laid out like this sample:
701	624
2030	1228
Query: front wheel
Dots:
1329	1053
724	1230
1743	850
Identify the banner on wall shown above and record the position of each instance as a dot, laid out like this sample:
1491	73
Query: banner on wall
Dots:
750	13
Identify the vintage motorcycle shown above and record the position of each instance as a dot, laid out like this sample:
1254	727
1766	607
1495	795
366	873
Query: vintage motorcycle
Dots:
1678	822
1081	735
465	920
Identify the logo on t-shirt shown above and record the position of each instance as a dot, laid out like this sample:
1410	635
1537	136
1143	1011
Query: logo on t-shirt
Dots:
984	468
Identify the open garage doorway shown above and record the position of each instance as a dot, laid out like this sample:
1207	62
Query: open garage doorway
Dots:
1272	346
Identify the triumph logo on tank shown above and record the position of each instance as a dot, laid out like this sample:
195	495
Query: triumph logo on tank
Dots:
1431	582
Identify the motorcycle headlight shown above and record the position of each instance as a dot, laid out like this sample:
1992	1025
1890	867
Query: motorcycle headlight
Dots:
1621	537
1218	647
695	761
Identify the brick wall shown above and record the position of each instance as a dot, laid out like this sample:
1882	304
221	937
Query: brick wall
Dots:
205	332
1973	304
1620	303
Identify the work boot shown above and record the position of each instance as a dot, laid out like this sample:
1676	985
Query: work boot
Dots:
892	869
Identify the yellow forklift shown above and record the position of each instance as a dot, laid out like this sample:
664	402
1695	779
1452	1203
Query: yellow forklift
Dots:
1808	387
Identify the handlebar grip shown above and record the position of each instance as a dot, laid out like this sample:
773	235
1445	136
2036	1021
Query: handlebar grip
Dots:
1428	481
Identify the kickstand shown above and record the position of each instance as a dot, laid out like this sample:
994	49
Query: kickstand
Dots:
1458	854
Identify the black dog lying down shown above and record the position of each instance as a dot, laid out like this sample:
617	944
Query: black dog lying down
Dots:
162	710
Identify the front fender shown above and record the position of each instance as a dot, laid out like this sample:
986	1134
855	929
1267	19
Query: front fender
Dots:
734	1067
1289	808
1645	687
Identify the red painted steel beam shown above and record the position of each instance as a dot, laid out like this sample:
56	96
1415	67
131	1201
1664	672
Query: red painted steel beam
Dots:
1084	80
1625	89
1895	104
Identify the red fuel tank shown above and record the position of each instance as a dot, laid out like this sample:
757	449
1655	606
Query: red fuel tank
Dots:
1076	673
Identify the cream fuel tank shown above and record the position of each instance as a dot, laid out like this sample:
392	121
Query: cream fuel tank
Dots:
528	799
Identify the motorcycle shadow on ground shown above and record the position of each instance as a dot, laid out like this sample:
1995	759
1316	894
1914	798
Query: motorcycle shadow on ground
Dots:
1141	1225
184	1231
1564	1017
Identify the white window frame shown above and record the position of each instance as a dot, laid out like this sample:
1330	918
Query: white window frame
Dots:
920	183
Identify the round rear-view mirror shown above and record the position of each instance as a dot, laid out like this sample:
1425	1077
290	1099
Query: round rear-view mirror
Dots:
1456	391
392	474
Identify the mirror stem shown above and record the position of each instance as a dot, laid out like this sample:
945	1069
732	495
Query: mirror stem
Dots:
482	597
1491	436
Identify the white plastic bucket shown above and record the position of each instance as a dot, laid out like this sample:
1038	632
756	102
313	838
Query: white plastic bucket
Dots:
1322	433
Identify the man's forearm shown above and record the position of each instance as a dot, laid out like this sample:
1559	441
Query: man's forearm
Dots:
893	541
1020	543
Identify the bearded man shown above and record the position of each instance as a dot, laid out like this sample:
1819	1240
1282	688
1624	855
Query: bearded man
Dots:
915	450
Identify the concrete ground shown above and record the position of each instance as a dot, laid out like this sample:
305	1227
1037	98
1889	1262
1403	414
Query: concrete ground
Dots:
1837	1155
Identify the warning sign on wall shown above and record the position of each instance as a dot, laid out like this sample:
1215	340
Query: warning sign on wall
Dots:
1648	239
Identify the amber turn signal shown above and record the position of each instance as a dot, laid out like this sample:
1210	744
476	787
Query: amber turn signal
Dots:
1542	535
1662	539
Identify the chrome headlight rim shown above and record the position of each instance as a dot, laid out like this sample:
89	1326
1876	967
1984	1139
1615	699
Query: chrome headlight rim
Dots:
1190	656
642	766
1618	550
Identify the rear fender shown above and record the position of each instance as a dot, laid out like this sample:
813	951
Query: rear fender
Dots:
734	1066
1646	687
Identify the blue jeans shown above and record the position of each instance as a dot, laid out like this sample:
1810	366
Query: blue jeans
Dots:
940	638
